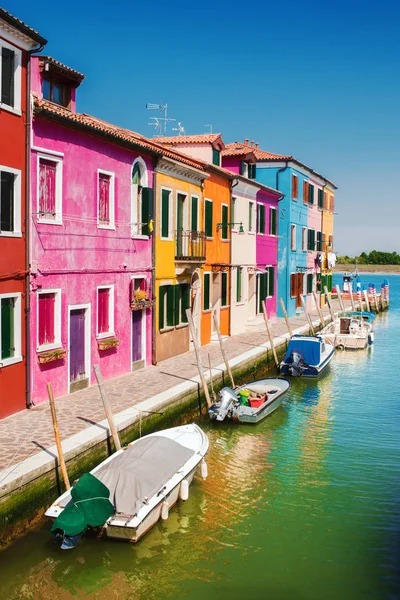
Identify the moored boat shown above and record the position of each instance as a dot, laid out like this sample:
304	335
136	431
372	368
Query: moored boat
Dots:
249	403
307	356
349	332
125	495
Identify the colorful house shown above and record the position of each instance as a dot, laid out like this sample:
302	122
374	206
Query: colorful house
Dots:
91	249
17	42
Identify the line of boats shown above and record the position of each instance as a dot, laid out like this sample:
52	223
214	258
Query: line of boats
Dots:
126	494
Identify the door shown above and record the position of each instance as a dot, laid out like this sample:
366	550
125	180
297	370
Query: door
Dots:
179	222
262	290
137	337
78	376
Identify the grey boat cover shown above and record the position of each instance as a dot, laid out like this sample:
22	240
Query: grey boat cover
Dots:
141	471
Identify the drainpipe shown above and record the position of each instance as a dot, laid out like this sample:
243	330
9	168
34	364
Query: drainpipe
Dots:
28	129
277	174
153	263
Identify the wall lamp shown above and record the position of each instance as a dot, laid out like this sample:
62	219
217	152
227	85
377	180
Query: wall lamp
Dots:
221	225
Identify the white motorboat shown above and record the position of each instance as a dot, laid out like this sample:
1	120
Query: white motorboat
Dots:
130	491
349	332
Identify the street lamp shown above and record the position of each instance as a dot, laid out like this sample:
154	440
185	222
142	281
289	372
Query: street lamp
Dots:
221	225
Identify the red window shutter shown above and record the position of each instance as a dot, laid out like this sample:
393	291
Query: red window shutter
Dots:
103	305
46	319
47	188
293	285
305	192
104	198
295	187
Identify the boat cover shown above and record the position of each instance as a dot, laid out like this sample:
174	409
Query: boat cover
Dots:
141	471
310	348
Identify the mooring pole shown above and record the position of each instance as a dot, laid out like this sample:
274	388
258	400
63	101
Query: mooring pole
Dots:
286	317
328	301
307	315
223	349
339	295
271	340
107	407
319	311
211	377
198	357
367	301
353	306
57	436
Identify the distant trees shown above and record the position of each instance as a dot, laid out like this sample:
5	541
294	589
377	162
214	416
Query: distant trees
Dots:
375	257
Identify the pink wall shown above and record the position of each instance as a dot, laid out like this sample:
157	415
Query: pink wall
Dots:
77	256
314	222
232	164
267	245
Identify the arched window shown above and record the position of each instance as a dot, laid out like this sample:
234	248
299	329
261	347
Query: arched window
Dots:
141	199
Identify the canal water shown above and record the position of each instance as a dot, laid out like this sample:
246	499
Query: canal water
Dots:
304	505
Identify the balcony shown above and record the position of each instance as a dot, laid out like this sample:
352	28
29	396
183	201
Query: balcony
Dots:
190	246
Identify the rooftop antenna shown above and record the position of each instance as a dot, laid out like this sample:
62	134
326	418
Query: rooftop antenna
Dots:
210	127
180	129
160	123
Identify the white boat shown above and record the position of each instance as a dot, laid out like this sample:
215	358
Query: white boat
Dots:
142	482
348	332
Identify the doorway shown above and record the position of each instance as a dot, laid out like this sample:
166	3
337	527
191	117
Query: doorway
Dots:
138	339
79	344
216	300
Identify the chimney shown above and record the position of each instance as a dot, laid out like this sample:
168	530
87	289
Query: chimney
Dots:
257	146
246	142
252	143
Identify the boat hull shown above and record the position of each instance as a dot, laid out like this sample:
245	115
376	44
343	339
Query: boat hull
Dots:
310	371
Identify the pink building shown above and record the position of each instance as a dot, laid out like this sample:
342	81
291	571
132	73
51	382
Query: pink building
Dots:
91	243
267	248
314	234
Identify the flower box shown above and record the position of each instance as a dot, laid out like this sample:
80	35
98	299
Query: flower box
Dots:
51	355
108	343
142	304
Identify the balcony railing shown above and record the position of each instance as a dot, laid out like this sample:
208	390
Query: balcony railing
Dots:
190	245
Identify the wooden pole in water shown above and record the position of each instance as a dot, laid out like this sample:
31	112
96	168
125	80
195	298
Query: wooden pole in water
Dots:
286	317
307	315
339	295
223	349
367	301
57	436
271	340
198	357
211	376
107	407
353	307
328	301
319	311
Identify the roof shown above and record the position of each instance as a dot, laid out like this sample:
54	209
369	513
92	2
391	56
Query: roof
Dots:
59	66
21	26
231	175
204	138
119	134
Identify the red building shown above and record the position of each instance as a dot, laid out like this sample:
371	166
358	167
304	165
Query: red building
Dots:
17	43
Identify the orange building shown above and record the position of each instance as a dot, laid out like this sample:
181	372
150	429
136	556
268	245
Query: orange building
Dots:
17	42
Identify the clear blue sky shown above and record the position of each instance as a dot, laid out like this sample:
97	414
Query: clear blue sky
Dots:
318	80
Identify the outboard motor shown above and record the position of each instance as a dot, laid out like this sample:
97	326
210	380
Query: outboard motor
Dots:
296	364
226	402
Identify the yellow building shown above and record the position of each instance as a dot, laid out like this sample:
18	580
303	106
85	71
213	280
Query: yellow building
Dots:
327	238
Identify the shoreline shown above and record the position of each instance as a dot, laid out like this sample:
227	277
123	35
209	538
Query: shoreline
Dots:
384	269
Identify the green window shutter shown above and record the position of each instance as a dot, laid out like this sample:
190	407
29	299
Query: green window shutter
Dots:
209	218
252	171
206	291
147	201
313	240
272	221
185	301
165	213
195	212
320	198
262	218
216	157
161	299
224	222
329	283
7	327
177	303
319	241
224	288
170	305
310	193
271	282
242	167
309	283
238	284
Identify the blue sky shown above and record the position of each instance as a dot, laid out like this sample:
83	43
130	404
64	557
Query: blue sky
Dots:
316	80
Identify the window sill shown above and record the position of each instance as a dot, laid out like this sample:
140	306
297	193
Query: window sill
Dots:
102	336
251	232
6	362
226	306
49	221
292	249
166	239
240	303
166	329
139	236
10	109
46	347
181	325
295	199
209	239
207	310
109	227
11	234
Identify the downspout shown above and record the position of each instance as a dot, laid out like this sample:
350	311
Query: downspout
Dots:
28	130
280	171
153	264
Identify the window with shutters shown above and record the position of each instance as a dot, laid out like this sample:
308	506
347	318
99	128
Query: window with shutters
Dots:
10	78
105	194
224	288
49	319
293	237
105	311
174	300
330	242
251	216
224	220
207	291
261	218
165	224
319	241
295	187
239	295
141	200
208	218
49	190
271	282
310	194
320	198
216	157
10	329
194	213
309	283
311	240
252	170
305	192
272	221
10	202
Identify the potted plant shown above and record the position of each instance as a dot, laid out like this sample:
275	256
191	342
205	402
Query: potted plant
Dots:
141	300
51	355
108	343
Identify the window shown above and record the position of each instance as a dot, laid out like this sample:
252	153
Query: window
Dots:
206	292
251	211
208	216
224	288
295	187
293	237
238	284
216	160
252	170
49	192
304	239
261	218
10	202
272	221
224	230
310	193
10	80
244	168
271	281
56	91
141	198
105	311
309	283
311	239
174	301
195	214
305	191
105	192
10	329
320	199
330	242
165	213
319	241
49	319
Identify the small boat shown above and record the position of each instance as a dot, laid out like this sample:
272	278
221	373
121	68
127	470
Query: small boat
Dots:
249	403
349	332
368	317
126	494
307	356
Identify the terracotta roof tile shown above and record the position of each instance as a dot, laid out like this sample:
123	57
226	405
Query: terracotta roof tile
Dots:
21	26
56	63
204	138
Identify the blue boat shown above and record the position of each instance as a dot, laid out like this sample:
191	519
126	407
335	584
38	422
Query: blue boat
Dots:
368	317
307	356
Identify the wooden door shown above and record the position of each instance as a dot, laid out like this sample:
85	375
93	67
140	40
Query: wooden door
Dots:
78	375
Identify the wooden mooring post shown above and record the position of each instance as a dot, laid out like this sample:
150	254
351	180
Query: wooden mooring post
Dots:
107	407
367	301
198	357
339	295
307	315
328	301
319	311
57	436
286	317
271	339
217	329
353	306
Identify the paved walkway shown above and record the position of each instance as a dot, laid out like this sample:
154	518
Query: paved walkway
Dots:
27	432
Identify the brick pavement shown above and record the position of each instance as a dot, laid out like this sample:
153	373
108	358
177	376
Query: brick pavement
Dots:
27	432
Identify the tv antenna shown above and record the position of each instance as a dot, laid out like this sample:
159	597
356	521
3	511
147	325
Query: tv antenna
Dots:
210	127
160	123
180	129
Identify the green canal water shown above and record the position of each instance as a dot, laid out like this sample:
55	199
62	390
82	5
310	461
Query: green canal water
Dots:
302	506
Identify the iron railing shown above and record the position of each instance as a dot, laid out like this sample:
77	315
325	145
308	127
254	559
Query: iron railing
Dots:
190	245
